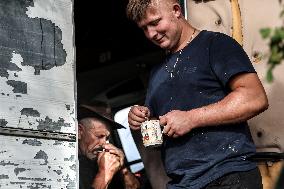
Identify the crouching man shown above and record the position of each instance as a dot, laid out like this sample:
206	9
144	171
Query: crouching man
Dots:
101	164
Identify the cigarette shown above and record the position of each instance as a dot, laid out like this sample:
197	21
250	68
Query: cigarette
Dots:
100	149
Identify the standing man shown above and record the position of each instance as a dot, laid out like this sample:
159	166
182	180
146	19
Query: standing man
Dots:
101	163
203	93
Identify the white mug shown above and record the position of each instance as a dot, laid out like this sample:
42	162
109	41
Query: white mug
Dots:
151	133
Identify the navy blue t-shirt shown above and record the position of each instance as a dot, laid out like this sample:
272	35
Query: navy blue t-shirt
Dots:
201	77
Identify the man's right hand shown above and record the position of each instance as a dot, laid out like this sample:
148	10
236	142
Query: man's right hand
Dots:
108	164
137	115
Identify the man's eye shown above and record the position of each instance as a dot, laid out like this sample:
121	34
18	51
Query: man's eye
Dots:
144	28
155	22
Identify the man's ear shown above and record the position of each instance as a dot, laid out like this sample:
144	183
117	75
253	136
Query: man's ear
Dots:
177	10
80	130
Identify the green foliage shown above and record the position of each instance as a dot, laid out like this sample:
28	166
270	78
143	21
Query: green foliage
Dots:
276	45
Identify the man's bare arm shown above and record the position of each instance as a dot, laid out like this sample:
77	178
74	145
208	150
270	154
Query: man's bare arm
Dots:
246	100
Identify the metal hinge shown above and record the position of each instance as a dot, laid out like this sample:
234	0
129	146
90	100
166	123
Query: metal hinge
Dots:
10	131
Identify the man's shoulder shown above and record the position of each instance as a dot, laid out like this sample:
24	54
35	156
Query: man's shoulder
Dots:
207	35
206	38
213	34
218	39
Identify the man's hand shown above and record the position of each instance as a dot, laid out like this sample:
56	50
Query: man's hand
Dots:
115	151
176	123
109	162
130	181
137	115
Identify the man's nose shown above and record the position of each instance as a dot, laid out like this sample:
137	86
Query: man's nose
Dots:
151	33
104	140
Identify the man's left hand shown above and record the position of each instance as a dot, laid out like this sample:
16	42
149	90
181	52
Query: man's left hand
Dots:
176	123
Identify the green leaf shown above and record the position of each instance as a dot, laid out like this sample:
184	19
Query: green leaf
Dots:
265	32
269	75
276	55
279	32
276	45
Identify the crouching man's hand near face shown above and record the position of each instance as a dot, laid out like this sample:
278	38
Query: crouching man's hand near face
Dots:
109	162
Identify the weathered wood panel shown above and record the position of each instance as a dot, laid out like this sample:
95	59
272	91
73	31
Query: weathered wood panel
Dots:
37	95
37	65
36	163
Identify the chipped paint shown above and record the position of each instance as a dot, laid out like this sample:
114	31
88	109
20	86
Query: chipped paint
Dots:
37	93
48	124
72	158
18	86
42	155
4	176
42	166
30	112
3	122
19	170
32	142
59	172
37	64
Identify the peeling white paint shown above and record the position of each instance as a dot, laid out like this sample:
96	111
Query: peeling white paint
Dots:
52	90
49	165
39	101
60	13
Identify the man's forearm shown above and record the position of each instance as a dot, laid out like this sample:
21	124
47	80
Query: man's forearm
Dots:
130	181
101	181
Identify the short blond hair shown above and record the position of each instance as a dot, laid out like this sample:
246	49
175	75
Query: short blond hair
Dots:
136	9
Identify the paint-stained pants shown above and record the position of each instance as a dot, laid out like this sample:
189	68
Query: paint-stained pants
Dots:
238	180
